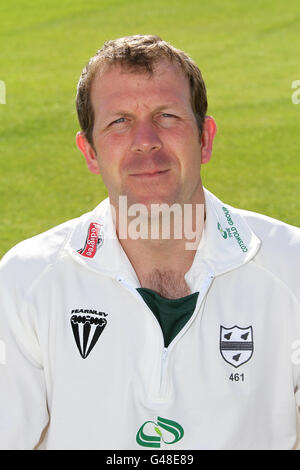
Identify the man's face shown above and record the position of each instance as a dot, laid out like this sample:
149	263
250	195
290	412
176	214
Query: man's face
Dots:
146	136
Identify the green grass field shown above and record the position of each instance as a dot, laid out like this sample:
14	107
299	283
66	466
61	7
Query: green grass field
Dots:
248	54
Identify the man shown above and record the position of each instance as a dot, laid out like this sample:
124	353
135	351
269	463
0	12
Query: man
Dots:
119	339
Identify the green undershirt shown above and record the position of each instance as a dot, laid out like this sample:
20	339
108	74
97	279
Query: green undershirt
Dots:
172	314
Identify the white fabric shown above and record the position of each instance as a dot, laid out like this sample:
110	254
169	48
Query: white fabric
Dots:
248	279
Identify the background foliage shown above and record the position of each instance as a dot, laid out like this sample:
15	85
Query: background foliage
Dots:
248	54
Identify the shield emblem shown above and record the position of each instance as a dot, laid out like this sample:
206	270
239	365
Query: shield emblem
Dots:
236	344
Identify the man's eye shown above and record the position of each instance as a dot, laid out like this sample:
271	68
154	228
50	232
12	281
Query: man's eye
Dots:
167	115
118	121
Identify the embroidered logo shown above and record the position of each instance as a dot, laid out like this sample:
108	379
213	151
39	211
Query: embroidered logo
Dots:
222	232
236	344
87	326
93	240
151	433
233	231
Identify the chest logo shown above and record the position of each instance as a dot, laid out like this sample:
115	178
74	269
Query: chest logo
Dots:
236	344
151	433
87	327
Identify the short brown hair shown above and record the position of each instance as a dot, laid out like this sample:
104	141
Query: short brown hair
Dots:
137	53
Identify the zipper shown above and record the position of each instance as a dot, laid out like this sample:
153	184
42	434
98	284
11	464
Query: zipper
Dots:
160	392
202	292
140	299
164	358
166	352
128	286
162	355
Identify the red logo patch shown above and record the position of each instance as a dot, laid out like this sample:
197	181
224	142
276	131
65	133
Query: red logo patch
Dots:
93	240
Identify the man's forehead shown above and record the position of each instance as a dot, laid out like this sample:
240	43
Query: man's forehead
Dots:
115	74
119	83
157	68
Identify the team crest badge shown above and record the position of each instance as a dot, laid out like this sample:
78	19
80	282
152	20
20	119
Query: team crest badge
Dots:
236	344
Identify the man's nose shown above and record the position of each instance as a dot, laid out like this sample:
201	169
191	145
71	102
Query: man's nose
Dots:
145	138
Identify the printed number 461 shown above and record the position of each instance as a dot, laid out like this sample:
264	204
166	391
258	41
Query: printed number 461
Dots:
237	377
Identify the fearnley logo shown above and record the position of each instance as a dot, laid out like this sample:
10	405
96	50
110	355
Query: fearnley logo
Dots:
87	326
151	433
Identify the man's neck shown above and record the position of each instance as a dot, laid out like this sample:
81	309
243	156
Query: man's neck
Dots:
165	255
160	264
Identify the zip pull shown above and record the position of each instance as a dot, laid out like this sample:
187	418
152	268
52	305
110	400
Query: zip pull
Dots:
164	358
203	290
128	286
164	354
207	283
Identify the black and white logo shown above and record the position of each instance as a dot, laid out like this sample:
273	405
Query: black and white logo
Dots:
87	326
236	344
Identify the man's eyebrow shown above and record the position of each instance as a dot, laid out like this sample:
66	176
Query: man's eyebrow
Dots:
155	110
118	112
174	104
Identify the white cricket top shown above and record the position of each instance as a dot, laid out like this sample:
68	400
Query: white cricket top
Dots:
81	352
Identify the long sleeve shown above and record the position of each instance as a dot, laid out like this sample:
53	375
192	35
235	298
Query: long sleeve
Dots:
23	403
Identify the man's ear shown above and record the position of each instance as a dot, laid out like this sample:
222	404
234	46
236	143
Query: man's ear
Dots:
208	135
88	152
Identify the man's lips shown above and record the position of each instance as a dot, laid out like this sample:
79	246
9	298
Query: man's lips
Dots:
150	173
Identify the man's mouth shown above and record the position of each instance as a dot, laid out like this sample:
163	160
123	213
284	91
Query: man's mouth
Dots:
150	174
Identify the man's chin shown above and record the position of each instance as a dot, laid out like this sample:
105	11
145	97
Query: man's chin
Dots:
149	200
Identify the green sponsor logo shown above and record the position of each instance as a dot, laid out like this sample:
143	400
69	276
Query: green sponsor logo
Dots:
233	231
151	434
222	232
239	240
227	215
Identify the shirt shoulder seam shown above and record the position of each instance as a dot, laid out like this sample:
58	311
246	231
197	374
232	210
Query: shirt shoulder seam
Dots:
275	276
